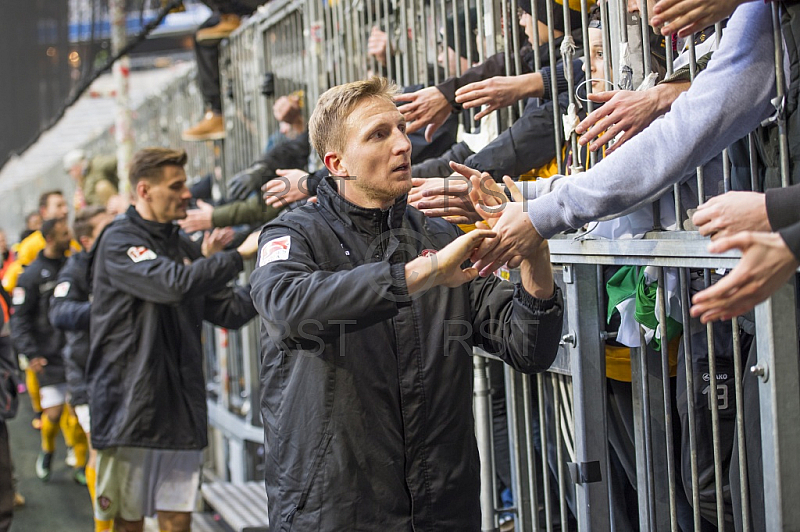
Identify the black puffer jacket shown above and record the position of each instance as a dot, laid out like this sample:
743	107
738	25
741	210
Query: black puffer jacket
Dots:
31	332
367	393
151	292
69	311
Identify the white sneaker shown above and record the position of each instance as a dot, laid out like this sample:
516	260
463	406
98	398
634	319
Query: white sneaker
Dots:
71	460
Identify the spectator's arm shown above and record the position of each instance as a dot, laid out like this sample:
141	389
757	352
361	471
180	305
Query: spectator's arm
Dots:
783	206
251	211
728	101
440	166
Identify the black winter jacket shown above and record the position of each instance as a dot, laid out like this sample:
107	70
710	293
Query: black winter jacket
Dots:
31	332
367	392
151	292
69	311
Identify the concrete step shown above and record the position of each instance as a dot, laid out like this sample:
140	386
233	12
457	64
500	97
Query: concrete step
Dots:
243	507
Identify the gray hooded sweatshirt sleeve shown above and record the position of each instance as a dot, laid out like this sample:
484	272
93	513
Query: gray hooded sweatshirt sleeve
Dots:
727	101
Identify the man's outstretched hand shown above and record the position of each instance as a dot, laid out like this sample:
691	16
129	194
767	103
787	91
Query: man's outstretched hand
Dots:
425	107
445	267
690	16
765	265
731	213
444	197
199	219
498	92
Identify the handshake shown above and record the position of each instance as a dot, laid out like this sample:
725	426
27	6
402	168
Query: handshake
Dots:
472	197
504	234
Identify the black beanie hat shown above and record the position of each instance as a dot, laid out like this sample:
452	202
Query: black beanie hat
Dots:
558	13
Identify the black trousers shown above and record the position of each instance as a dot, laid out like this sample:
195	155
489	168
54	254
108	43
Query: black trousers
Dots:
6	480
207	54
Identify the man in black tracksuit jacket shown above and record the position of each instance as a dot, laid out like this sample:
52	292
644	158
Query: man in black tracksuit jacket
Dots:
151	290
368	324
34	336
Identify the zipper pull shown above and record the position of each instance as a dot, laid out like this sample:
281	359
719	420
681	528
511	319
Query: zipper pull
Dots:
290	517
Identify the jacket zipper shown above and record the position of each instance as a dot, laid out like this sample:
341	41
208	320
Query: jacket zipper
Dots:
311	476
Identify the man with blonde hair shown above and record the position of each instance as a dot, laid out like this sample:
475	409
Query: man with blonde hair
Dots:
369	318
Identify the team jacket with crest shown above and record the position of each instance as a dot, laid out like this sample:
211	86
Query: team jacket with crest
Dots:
367	393
151	291
31	331
69	311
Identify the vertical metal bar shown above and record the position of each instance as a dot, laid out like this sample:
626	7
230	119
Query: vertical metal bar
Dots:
530	454
425	9
342	39
516	45
329	45
389	51
676	189
714	402
548	514
562	496
485	48
537	59
644	18
470	43
504	9
403	40
608	54
443	47
647	499
780	86
372	63
751	146
740	438
559	131
569	74
456	38
587	65
779	396
520	464
484	435
587	363
690	398
662	324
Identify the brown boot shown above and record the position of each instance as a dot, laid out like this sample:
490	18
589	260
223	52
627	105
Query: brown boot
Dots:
227	23
210	127
19	500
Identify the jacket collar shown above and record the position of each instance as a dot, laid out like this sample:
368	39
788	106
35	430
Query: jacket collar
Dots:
371	221
54	262
159	230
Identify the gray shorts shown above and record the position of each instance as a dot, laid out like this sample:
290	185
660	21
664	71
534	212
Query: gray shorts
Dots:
134	483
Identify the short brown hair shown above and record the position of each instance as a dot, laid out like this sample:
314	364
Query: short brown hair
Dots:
49	227
83	225
147	163
327	122
46	196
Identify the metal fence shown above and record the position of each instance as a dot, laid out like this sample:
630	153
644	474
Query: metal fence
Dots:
708	443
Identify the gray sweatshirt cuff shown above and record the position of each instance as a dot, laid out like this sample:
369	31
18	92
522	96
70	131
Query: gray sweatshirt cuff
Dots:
547	215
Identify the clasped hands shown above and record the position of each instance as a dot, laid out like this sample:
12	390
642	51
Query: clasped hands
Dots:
471	197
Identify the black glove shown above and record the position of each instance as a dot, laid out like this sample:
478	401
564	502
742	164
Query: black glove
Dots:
247	181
